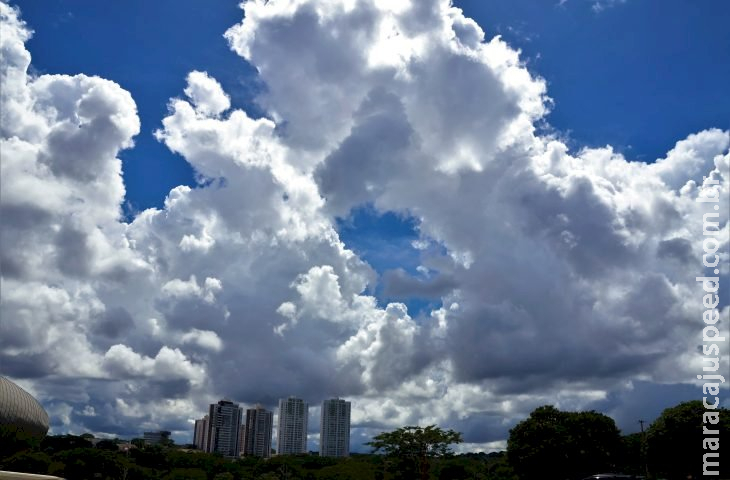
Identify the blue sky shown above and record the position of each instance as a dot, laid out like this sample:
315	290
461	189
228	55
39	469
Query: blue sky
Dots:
497	217
635	75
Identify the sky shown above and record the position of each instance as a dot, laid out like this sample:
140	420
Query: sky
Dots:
445	213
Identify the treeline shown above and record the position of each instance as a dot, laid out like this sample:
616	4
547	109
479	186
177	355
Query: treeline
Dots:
74	458
548	445
551	444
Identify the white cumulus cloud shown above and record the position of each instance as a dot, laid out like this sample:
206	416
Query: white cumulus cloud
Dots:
557	275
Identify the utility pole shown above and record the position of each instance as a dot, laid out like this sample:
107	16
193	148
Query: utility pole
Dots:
643	448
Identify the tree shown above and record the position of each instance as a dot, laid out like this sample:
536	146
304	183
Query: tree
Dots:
347	469
415	447
28	462
150	456
502	471
59	443
594	442
268	476
633	456
186	474
138	442
107	444
91	463
674	440
456	468
554	444
14	440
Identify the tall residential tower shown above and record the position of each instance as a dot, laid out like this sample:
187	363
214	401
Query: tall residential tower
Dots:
224	424
200	434
292	427
334	432
257	432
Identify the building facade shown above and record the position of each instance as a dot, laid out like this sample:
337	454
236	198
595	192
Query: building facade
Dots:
257	432
334	428
292	426
159	437
224	427
200	433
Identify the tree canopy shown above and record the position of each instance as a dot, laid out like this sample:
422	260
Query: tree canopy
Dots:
674	440
555	444
430	441
415	445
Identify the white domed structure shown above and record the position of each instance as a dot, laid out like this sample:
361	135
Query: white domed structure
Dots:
18	408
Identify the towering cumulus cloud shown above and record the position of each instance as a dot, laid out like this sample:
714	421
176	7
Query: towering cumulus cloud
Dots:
562	276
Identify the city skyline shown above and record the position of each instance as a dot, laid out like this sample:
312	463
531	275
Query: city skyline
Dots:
446	212
256	432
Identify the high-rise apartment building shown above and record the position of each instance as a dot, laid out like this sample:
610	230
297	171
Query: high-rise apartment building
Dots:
257	432
292	426
159	437
224	427
334	428
241	433
200	433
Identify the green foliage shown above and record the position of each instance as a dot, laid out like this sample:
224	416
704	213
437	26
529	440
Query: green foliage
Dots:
348	469
285	467
316	462
176	459
411	449
537	442
167	442
91	463
502	471
594	442
55	468
150	456
268	476
458	468
27	461
633	448
551	444
186	474
14	440
59	443
110	445
417	442
674	440
135	472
